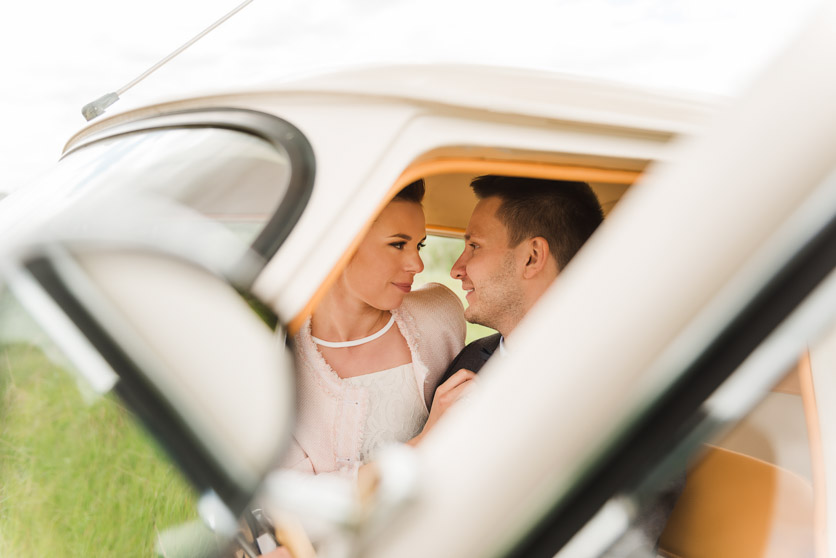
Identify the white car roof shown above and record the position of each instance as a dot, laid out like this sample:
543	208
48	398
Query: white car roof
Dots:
502	90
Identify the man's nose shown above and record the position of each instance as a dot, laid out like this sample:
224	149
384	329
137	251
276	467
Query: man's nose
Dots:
458	270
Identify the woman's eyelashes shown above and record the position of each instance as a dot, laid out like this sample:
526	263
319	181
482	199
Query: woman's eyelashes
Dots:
401	244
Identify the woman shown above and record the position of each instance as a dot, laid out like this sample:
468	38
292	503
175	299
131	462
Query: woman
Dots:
371	355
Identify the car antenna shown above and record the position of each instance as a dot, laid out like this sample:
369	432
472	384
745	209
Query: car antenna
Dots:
96	108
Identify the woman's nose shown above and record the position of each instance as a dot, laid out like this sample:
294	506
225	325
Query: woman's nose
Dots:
415	264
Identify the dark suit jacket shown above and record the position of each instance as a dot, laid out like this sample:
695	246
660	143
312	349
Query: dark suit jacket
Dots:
643	536
474	356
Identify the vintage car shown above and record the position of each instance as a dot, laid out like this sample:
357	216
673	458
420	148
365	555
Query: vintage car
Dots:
152	276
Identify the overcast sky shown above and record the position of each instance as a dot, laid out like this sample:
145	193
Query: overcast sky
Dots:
58	56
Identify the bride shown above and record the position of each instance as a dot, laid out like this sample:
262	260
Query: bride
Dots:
371	355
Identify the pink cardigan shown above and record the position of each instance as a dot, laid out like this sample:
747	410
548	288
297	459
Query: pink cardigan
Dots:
331	414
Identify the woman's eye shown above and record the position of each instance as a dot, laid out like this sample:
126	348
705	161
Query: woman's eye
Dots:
398	245
421	245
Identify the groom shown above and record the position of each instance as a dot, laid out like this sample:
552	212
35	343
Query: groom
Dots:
522	233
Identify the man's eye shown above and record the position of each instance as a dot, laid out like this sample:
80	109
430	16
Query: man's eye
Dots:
473	245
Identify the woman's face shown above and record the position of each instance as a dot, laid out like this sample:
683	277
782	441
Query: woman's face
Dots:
381	272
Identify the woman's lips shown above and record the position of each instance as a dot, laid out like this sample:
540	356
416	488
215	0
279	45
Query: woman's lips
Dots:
405	287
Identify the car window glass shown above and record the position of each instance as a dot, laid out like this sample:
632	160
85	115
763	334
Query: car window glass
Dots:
234	178
78	475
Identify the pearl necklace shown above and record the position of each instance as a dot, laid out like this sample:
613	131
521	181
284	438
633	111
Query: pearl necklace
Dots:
341	344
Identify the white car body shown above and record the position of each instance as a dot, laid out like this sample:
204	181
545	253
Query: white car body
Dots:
731	194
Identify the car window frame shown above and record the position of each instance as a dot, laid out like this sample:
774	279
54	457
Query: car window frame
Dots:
279	133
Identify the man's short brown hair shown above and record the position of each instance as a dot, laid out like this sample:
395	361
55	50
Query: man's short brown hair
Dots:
564	212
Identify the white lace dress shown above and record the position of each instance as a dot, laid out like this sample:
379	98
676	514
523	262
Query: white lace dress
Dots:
333	417
396	410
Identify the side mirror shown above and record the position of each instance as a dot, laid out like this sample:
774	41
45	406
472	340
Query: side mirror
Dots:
183	350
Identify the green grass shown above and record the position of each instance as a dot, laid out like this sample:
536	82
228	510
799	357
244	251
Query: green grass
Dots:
439	256
77	478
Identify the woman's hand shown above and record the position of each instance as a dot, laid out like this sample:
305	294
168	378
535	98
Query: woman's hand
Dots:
446	394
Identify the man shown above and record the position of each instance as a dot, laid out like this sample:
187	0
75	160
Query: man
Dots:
522	232
521	235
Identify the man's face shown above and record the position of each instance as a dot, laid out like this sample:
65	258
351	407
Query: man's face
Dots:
490	271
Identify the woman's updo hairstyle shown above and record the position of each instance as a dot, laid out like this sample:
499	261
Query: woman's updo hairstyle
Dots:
413	192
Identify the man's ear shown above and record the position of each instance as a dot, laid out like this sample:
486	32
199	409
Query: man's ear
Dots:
538	257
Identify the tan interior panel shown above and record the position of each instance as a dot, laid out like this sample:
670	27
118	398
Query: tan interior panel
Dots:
486	153
791	383
449	201
736	506
608	194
